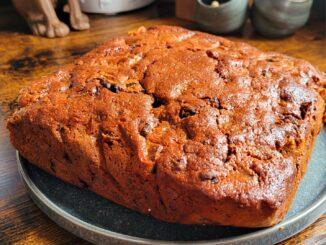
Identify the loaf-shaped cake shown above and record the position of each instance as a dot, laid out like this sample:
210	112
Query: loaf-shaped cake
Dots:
181	125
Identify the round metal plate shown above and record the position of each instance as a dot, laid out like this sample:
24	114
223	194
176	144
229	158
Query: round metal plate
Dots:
98	220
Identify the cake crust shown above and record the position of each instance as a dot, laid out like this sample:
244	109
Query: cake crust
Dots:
182	125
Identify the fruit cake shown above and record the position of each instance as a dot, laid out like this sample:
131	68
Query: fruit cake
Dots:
182	125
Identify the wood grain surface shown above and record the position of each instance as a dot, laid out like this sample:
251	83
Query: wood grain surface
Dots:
24	58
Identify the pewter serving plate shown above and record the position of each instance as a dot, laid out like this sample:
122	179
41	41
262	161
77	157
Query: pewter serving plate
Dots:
100	221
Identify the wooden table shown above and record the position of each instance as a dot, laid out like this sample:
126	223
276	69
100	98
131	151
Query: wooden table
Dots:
24	57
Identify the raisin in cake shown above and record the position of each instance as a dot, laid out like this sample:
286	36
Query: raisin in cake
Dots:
182	125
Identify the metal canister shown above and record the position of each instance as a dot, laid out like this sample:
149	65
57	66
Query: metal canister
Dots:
227	16
278	18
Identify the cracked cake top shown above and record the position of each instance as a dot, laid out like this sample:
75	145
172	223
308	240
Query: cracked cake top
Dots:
215	115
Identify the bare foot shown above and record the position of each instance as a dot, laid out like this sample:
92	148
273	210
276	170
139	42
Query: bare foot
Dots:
56	29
